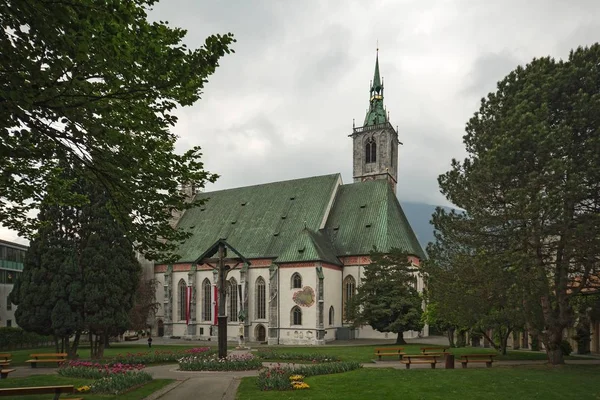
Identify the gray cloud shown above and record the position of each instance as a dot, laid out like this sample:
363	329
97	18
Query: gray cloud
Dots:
282	106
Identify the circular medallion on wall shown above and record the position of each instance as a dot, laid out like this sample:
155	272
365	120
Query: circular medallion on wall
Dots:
305	297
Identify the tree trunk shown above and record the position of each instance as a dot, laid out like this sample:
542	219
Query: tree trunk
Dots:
99	346
56	344
71	349
400	338
552	341
504	341
461	339
450	334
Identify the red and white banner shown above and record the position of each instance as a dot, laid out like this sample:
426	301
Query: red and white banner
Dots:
188	304
215	301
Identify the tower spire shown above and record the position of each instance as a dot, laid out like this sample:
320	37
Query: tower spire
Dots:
376	113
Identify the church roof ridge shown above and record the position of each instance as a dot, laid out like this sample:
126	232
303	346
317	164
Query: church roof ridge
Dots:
336	174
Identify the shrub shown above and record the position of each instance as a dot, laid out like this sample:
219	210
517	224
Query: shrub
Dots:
279	378
15	338
233	362
93	370
275	355
154	357
118	383
566	348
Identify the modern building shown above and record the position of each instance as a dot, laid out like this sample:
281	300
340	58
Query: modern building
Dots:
308	241
12	257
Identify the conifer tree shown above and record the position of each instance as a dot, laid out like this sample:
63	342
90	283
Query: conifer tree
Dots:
530	186
81	274
387	299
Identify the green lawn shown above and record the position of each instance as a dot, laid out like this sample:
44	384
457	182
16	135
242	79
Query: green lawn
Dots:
52	380
19	356
531	382
365	354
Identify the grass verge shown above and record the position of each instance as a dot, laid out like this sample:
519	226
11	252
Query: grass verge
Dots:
531	382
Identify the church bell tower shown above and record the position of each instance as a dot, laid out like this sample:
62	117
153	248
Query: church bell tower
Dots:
376	142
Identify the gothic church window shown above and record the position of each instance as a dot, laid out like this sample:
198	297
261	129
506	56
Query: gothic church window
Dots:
181	287
349	290
331	315
232	295
296	281
296	316
261	303
371	151
206	300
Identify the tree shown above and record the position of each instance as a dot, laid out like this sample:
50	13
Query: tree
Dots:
387	299
144	305
85	269
468	288
98	81
530	186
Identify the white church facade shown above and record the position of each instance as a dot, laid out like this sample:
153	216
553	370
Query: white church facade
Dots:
307	242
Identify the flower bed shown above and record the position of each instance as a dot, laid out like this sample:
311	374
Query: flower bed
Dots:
154	357
280	378
93	370
276	355
119	383
108	378
233	362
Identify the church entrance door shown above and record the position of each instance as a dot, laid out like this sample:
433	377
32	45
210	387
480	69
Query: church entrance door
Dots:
260	333
161	328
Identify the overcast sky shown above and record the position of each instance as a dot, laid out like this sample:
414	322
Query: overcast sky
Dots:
282	106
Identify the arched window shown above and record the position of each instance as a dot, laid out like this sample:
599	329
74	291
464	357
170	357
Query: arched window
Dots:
232	296
261	299
331	316
206	300
181	287
296	316
349	287
371	151
296	281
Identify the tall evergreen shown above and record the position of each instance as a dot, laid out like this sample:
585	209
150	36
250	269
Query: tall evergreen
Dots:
387	299
80	273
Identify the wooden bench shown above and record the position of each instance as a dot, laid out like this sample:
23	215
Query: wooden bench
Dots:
4	373
24	391
47	358
5	360
428	350
432	359
389	351
488	359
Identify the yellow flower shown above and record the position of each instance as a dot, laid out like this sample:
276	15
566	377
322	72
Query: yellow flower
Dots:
83	389
296	377
300	385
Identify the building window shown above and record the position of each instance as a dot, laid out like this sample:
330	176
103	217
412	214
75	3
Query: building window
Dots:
349	290
8	323
261	297
206	300
331	315
296	281
232	295
296	316
8	304
371	151
182	294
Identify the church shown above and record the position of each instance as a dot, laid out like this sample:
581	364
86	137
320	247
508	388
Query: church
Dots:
306	241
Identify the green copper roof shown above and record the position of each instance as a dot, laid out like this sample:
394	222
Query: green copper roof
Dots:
282	221
376	113
368	214
259	221
309	246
